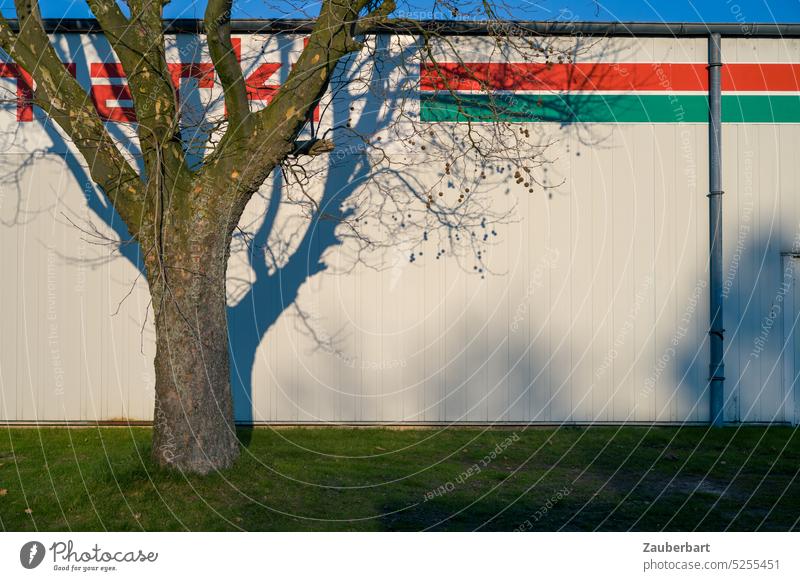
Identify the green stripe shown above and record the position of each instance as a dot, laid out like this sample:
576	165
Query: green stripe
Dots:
593	108
761	108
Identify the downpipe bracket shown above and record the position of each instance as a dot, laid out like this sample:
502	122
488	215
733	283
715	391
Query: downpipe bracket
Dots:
716	371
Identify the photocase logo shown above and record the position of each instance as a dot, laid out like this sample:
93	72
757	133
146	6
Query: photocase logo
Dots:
31	554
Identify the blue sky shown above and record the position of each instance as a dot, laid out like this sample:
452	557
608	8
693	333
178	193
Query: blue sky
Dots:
614	10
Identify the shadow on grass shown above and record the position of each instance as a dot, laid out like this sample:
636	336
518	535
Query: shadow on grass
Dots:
377	479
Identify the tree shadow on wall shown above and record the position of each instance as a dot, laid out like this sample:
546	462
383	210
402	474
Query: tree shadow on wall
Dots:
275	280
275	284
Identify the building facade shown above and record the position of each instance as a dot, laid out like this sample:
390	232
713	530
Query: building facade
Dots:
583	298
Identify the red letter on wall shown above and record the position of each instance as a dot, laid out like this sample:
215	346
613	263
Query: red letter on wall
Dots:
24	90
102	94
203	72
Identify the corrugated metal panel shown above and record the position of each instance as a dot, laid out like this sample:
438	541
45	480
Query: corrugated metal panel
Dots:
761	221
65	353
594	308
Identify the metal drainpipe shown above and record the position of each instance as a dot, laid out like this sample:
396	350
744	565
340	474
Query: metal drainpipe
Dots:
716	331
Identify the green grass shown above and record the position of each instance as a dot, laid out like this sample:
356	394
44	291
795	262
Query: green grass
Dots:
378	479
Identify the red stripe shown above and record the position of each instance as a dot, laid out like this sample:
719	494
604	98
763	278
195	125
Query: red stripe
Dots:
564	77
666	77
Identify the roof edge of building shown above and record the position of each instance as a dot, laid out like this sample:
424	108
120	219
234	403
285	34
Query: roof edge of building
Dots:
474	28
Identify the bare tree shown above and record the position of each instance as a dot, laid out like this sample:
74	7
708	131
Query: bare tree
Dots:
184	206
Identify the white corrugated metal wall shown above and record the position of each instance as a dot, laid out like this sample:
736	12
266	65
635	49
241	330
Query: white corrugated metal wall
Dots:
595	309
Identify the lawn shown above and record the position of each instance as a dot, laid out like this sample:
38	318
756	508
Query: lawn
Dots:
600	478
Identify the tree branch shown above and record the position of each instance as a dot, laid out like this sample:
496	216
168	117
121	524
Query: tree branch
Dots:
217	23
66	103
375	18
246	160
138	42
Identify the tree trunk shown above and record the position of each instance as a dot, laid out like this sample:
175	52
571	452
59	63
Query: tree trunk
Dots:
193	428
